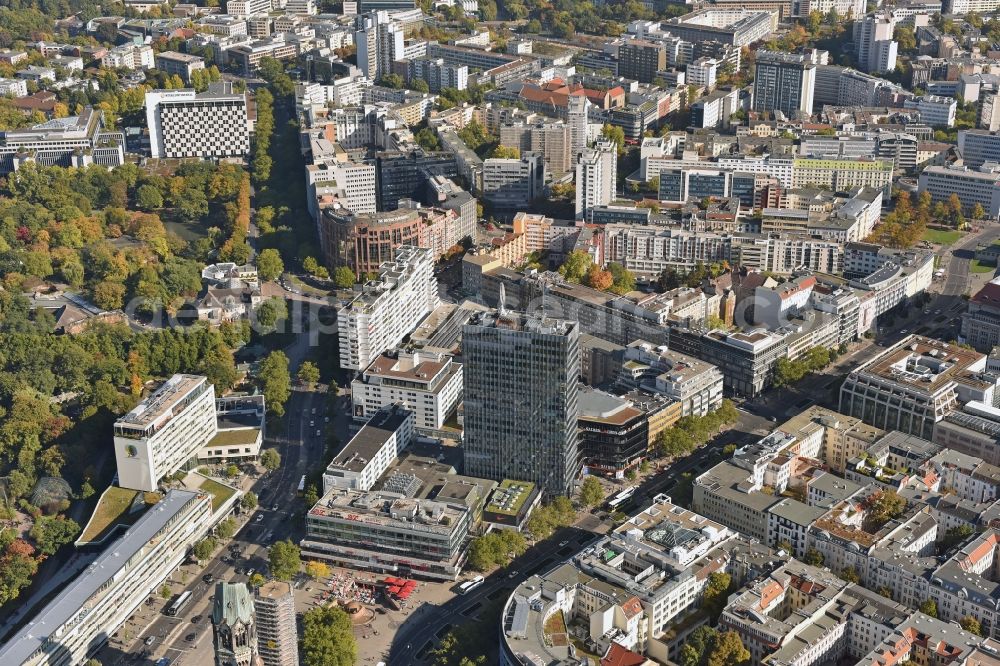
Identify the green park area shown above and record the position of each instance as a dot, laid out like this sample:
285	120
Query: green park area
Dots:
942	236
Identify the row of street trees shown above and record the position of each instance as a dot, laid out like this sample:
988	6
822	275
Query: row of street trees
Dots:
693	432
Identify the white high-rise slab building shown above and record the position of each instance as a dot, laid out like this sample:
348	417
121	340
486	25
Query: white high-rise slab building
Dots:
164	431
380	43
876	48
388	308
576	113
596	178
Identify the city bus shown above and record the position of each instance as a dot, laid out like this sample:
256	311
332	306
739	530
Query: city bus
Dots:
302	486
179	604
620	498
470	585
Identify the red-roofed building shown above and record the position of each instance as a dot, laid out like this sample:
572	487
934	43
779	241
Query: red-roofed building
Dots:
552	97
618	655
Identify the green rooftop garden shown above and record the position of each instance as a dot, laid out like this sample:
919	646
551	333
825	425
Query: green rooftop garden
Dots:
516	493
241	436
220	492
112	510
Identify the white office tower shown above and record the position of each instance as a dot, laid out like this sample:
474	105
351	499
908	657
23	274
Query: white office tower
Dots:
244	8
303	7
577	110
876	47
212	124
596	178
164	431
380	42
388	308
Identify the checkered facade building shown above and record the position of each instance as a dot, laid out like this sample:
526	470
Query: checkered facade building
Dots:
205	125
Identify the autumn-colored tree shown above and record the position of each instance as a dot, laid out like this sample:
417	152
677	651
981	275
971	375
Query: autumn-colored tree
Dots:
903	207
598	279
506	152
576	266
971	625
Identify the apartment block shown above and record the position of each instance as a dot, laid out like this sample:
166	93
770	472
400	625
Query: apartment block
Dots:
246	57
703	72
13	87
876	49
128	56
640	59
966	584
438	74
833	437
427	383
248	7
804	615
178	64
738	26
843	174
935	110
596	178
388	308
551	140
380	42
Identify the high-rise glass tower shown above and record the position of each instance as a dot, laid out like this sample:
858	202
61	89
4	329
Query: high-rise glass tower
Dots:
520	391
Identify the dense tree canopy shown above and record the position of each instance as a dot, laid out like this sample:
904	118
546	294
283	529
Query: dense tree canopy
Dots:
284	560
327	638
496	549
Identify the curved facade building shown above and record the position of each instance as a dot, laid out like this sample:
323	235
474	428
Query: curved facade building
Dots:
364	241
